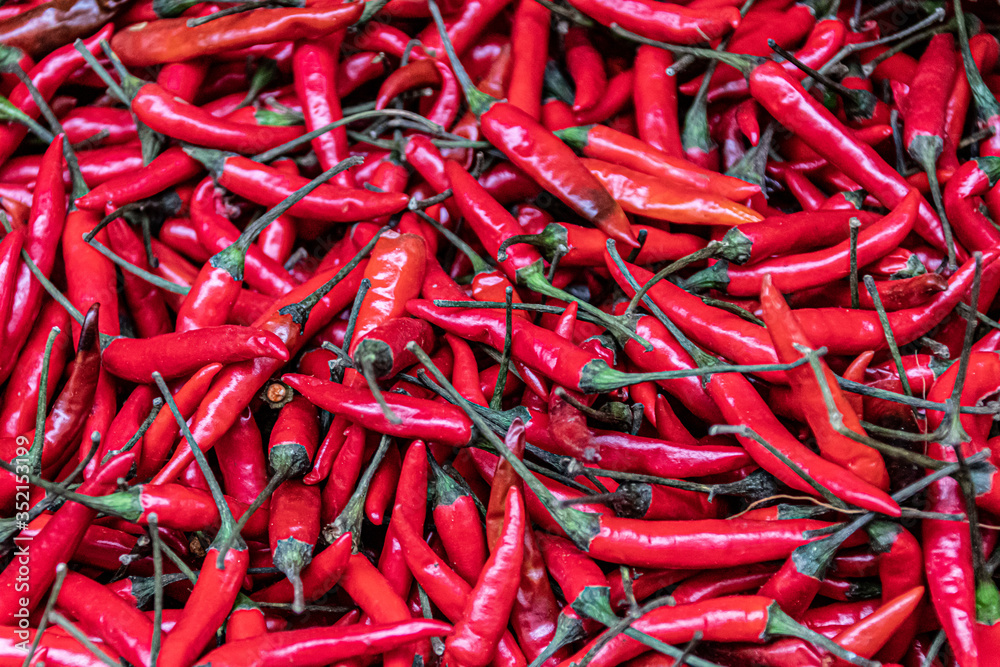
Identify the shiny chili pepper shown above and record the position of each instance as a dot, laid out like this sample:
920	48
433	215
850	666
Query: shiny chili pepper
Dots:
294	531
639	193
788	338
175	355
665	22
45	226
167	114
529	49
173	40
456	519
792	273
313	647
171	167
785	98
975	177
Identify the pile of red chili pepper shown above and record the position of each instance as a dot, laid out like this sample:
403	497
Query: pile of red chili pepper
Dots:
548	333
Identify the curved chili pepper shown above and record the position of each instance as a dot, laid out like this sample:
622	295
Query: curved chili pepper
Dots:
317	578
821	324
718	583
975	177
639	193
894	294
315	68
314	647
358	69
787	336
266	186
604	143
175	355
662	21
167	114
777	235
48	76
797	272
656	101
900	569
373	594
108	616
173	40
417	74
718	330
422	419
45	226
786	99
171	167
586	68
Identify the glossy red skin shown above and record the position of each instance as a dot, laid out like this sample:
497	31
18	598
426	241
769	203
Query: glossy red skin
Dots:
662	21
329	203
101	612
555	167
241	459
614	450
176	355
317	578
727	619
742	405
166	114
315	67
171	167
160	41
145	301
785	98
45	227
207	607
188	509
162	433
48	75
239	383
720	331
422	419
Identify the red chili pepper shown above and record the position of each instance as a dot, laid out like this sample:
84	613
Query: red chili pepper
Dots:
529	50
146	303
477	633
318	578
785	98
463	26
314	647
787	336
975	177
641	194
176	355
456	519
315	69
778	235
329	203
665	22
45	226
586	68
171	167
294	531
20	402
240	455
894	294
373	594
173	40
792	273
